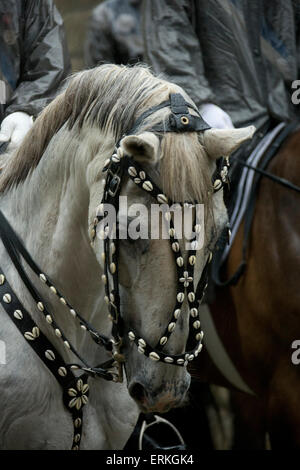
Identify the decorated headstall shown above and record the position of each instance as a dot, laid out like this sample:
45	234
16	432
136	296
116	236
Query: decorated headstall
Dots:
115	170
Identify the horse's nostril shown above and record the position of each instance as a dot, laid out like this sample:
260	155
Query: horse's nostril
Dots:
138	392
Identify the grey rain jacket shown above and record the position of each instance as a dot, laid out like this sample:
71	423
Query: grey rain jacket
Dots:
114	33
241	55
33	55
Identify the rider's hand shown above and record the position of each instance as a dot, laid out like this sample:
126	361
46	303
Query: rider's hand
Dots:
215	116
14	128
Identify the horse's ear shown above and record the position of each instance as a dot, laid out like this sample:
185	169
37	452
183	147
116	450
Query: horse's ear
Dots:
144	147
223	142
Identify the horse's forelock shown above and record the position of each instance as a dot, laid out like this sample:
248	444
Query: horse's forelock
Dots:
108	96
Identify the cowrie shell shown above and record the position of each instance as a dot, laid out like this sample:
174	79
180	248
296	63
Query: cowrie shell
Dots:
154	356
18	314
169	360
50	355
162	199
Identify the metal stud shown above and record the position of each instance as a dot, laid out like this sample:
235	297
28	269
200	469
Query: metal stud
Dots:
148	186
180	297
171	327
131	336
43	278
18	314
154	356
180	261
62	371
169	360
162	199
7	298
177	313
163	340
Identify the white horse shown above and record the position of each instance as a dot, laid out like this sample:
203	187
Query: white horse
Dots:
50	190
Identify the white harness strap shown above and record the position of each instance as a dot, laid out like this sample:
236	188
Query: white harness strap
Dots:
218	353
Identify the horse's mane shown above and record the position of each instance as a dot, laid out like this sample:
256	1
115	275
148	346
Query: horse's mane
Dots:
112	97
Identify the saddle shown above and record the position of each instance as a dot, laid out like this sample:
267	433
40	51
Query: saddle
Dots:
240	200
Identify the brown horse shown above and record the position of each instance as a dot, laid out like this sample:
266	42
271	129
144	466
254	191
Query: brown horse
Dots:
259	319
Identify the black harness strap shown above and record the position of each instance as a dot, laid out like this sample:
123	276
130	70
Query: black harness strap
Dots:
75	389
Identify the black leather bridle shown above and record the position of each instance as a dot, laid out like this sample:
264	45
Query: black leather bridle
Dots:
116	169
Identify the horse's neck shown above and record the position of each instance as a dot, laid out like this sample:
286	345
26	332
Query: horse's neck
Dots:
49	211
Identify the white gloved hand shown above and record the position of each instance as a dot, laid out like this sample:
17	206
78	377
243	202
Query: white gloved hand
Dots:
14	128
215	116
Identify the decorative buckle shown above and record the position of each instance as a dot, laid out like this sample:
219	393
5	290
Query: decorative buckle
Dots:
114	184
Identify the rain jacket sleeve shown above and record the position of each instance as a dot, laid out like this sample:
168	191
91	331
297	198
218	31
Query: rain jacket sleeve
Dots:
44	58
172	47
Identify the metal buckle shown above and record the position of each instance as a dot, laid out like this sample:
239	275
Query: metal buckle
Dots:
157	420
114	177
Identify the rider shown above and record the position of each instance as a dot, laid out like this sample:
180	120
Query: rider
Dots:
114	33
234	57
33	62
